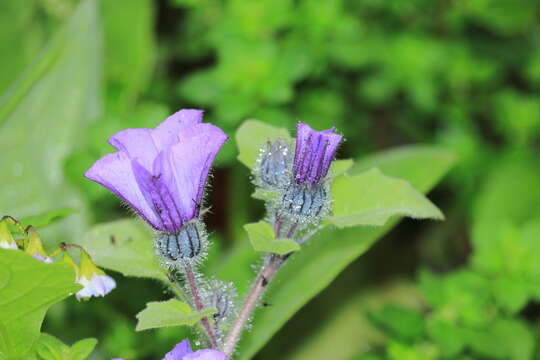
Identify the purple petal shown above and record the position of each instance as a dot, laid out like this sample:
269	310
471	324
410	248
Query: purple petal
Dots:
179	352
138	144
166	134
184	167
205	355
145	144
314	153
158	195
115	172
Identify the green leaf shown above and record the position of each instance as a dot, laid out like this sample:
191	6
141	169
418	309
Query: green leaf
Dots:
252	135
169	313
372	198
27	289
82	349
401	322
131	50
262	238
42	119
309	271
46	218
124	246
340	167
50	348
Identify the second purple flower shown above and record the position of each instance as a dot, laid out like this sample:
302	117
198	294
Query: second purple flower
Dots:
161	174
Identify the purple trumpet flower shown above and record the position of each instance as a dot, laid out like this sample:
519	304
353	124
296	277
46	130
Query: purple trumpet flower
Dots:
161	173
314	153
182	351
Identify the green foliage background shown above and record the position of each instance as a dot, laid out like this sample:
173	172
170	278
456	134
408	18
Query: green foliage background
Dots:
463	75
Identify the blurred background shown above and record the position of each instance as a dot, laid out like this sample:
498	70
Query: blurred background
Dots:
463	75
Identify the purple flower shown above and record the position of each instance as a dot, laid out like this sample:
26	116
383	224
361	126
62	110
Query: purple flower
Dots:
182	351
161	172
314	153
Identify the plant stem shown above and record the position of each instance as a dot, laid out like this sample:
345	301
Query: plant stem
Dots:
272	264
190	276
176	288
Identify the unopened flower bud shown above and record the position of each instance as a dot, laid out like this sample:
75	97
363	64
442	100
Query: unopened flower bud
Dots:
221	296
186	244
35	246
305	203
273	169
6	239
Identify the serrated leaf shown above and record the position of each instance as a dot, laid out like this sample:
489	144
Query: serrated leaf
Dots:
372	198
124	246
252	135
169	313
262	238
27	289
309	271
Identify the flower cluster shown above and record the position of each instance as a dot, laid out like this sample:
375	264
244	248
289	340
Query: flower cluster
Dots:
298	179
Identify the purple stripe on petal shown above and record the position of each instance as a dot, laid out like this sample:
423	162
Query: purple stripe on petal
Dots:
158	195
114	171
180	350
184	167
314	153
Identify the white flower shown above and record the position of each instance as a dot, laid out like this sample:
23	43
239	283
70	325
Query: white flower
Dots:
97	285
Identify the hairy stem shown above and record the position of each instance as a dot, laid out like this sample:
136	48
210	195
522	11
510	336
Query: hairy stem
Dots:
272	264
190	276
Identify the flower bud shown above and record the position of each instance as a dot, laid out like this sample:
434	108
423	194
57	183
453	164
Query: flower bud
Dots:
6	239
186	244
35	246
305	203
221	296
273	168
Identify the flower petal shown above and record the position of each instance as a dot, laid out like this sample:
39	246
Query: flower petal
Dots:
166	134
179	352
114	171
138	144
184	167
206	354
145	144
103	284
314	153
157	194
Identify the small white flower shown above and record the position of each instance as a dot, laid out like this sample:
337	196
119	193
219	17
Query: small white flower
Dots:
97	285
